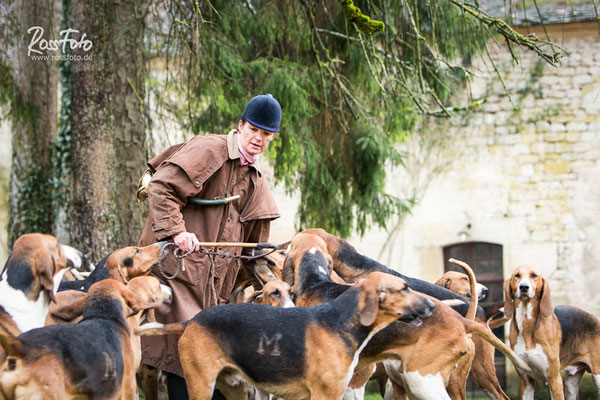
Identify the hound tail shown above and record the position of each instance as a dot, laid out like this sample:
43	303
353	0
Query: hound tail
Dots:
473	282
483	331
155	328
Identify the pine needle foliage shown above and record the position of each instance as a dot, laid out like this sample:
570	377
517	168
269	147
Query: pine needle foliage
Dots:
348	97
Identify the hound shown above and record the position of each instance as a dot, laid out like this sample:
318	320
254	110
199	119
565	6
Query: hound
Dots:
122	265
31	275
294	353
95	358
419	359
549	338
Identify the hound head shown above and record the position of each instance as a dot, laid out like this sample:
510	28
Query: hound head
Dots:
526	283
127	263
386	298
306	248
274	293
38	261
459	283
110	298
151	291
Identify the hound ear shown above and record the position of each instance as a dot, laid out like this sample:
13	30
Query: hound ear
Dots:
68	312
133	300
546	307
368	312
12	345
256	297
509	297
288	271
45	265
263	273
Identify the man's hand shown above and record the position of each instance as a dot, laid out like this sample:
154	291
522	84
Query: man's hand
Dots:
187	241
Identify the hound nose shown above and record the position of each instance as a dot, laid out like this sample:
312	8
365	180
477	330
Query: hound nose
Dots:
429	306
484	292
523	287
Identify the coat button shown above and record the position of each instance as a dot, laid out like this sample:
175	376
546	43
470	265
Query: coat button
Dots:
197	183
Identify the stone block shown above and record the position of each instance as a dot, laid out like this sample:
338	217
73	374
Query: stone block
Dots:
563	147
527	159
582	79
573	137
557	127
576	126
589	136
542	126
541	147
556	167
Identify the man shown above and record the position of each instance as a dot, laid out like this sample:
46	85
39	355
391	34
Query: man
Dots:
207	167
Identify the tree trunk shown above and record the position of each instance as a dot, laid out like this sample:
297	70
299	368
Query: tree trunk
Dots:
108	129
34	126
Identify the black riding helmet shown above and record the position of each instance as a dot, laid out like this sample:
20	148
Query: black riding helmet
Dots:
264	112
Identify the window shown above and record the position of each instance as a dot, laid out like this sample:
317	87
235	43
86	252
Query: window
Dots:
486	261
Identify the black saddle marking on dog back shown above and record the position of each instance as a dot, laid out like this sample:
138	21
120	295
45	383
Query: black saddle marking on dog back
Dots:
576	325
315	281
265	342
90	350
348	255
99	273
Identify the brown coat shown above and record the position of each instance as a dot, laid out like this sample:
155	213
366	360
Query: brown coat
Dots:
206	167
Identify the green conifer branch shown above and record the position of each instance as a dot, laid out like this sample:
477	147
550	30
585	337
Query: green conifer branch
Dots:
532	42
362	21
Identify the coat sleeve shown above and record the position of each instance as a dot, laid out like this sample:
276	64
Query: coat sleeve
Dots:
168	191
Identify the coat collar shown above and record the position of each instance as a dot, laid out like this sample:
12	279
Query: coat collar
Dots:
232	149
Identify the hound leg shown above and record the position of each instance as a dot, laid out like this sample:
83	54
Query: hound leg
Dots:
147	377
573	377
356	387
555	380
526	388
232	385
596	379
483	370
417	386
201	368
457	384
397	392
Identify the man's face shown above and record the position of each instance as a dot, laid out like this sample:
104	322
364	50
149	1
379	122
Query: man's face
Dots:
253	139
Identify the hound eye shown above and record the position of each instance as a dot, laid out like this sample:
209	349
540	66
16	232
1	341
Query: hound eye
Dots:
517	276
276	293
534	276
138	251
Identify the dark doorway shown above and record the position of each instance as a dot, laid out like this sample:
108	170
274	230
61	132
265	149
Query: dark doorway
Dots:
486	261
